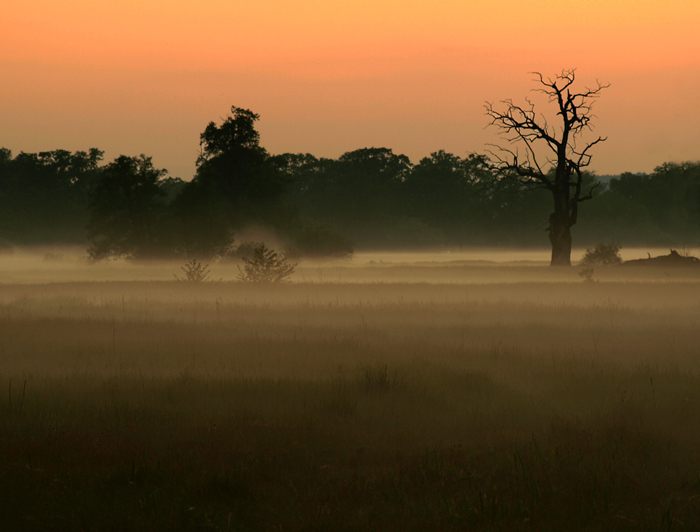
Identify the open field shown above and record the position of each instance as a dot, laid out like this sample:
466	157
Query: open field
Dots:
415	393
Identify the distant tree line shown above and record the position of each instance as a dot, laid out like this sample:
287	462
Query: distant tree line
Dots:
369	198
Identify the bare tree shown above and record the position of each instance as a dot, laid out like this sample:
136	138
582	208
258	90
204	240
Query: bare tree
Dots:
561	169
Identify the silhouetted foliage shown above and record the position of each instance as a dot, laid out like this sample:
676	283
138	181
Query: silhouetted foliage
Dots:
370	197
602	255
127	210
586	274
236	184
359	194
445	191
319	241
195	272
172	187
671	195
43	196
265	266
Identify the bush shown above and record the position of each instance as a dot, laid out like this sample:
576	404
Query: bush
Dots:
195	272
266	266
602	255
586	274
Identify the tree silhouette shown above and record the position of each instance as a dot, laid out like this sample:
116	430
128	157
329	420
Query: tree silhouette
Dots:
43	196
126	209
563	172
444	191
237	184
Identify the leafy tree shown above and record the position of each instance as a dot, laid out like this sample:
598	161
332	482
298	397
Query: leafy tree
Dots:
43	196
563	177
367	184
171	186
359	194
671	196
613	217
446	191
512	214
127	210
319	241
237	184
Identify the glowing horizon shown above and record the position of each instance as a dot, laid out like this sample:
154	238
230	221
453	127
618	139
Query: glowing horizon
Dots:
131	77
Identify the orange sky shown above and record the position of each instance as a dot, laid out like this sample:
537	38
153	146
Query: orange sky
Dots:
331	76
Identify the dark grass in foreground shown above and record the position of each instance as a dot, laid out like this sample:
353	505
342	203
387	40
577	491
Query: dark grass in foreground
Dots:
430	414
414	449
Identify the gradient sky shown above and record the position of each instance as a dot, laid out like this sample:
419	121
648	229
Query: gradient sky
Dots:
329	76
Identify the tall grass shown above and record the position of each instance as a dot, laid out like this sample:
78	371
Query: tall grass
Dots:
158	406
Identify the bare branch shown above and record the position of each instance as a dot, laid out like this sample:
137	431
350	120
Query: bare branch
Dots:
584	158
521	125
590	193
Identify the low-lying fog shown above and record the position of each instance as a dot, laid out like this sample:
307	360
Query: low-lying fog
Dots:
70	264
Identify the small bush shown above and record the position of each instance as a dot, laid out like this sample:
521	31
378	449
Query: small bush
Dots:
195	272
266	266
586	274
602	255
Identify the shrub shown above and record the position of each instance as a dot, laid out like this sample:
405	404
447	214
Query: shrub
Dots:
195	272
266	266
586	274
602	255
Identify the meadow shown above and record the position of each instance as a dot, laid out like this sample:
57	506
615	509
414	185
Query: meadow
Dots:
393	392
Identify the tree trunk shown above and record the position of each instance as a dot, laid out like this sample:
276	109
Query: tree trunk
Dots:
560	237
560	222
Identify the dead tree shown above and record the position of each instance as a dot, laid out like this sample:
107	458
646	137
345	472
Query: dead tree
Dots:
561	169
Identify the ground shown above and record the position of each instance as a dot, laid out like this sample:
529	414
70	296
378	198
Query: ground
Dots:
382	394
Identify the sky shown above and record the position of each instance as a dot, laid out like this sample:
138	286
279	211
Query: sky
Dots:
330	76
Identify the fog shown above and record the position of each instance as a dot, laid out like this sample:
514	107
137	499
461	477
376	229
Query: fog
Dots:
51	264
469	389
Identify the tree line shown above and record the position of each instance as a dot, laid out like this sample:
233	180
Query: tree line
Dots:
368	198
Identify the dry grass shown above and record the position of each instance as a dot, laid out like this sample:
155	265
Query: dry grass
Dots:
535	405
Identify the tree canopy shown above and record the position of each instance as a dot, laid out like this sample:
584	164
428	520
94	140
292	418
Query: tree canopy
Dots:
370	197
126	210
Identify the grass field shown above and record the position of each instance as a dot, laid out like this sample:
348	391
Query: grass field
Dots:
397	394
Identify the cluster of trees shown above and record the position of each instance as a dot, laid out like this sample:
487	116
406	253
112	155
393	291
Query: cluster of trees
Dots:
369	197
661	208
128	208
44	196
379	199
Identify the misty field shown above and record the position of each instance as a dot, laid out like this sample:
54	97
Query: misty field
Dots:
374	395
